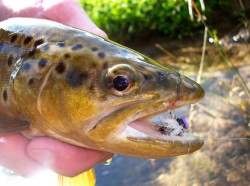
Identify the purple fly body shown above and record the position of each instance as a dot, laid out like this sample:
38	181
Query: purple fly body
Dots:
185	123
182	121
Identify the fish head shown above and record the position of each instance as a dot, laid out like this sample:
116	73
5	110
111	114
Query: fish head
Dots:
106	96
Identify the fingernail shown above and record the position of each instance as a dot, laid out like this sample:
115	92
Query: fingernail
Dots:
43	156
107	159
99	32
107	162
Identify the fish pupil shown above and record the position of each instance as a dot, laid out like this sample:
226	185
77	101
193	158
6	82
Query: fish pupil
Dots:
120	83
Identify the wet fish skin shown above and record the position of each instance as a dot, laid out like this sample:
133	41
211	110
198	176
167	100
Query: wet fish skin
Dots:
61	81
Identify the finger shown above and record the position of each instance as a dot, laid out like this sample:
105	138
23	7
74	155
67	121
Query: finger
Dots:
5	11
71	13
14	157
28	8
65	159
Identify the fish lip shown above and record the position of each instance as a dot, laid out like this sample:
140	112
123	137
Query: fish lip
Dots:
188	138
120	133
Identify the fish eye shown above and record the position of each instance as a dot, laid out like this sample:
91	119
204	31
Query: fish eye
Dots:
121	79
120	83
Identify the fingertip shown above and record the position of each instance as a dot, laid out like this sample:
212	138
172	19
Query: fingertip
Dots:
65	159
13	155
72	14
98	31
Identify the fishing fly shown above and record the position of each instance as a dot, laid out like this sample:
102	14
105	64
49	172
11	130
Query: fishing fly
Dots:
173	126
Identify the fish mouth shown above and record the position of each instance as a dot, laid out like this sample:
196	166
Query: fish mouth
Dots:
136	135
171	130
170	126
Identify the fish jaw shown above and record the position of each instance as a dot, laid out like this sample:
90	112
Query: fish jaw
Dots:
128	131
139	137
156	144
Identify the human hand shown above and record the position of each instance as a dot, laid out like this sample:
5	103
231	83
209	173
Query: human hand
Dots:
27	157
68	12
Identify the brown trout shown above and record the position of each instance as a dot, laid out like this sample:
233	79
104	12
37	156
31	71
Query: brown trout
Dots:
88	91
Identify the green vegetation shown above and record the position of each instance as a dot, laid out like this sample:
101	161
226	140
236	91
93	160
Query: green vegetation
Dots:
127	18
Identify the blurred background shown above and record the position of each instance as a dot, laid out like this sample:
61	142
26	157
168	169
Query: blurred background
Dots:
207	41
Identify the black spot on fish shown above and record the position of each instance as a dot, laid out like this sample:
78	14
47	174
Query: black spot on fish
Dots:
60	68
76	77
60	44
94	49
105	65
5	95
32	52
27	40
26	66
46	48
147	76
13	38
10	60
67	55
101	54
38	42
31	81
92	88
93	65
76	47
42	63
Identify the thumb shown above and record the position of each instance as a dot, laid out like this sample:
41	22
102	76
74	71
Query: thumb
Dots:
65	159
70	13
